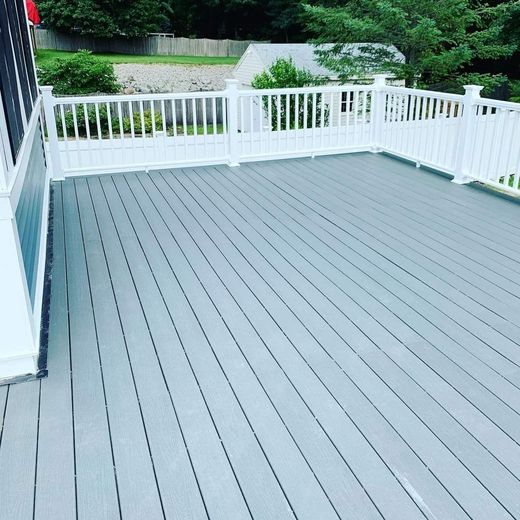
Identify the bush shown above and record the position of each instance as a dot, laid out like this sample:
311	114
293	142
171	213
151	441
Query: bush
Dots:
514	91
495	85
82	73
148	127
284	74
82	126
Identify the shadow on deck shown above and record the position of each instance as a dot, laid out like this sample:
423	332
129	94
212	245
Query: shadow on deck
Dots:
323	338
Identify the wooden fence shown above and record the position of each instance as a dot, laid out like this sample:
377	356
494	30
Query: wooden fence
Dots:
151	45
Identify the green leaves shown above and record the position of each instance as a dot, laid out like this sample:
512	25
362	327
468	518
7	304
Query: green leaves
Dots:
437	39
284	74
106	18
82	73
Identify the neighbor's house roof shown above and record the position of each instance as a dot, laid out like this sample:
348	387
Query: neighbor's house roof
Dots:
302	54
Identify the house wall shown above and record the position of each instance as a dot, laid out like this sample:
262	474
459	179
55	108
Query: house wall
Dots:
248	67
30	211
24	194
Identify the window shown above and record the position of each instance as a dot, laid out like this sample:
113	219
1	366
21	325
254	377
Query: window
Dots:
17	77
347	102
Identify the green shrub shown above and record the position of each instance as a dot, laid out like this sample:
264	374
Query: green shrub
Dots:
495	85
283	73
514	92
82	73
148	127
81	122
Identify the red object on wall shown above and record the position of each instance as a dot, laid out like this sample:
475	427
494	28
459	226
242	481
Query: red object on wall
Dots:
32	12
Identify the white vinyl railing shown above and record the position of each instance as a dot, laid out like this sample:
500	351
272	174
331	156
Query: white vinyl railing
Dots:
495	145
467	136
422	126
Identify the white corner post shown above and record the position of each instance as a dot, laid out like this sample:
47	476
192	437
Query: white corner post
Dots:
378	111
466	134
18	339
232	101
52	134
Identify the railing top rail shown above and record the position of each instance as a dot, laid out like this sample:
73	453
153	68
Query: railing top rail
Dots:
425	93
305	90
509	105
114	98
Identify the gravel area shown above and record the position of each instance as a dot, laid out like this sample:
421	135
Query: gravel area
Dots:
171	78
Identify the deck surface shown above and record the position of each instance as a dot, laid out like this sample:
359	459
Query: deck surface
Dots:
311	339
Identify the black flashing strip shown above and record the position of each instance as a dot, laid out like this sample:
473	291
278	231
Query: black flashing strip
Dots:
47	283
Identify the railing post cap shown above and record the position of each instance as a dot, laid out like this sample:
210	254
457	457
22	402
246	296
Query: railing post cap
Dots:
473	89
46	88
232	82
380	79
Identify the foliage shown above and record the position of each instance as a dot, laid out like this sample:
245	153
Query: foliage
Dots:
495	85
515	91
437	39
105	123
284	74
147	120
82	122
105	18
81	73
492	84
275	20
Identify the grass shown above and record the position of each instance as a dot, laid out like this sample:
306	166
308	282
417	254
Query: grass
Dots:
43	56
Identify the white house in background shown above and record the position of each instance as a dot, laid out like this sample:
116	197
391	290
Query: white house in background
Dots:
260	56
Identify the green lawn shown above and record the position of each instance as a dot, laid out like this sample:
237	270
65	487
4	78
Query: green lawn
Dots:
43	56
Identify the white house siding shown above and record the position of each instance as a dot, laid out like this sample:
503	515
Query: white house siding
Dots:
248	67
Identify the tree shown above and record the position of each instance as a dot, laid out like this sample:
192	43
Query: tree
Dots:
437	39
284	74
277	20
285	20
105	18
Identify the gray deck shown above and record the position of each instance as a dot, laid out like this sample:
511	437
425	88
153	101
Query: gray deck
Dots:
311	339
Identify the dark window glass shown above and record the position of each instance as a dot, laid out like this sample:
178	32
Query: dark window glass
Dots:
347	102
17	78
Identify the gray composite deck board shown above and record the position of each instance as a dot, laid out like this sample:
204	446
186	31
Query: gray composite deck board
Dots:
55	484
18	451
96	478
176	481
313	338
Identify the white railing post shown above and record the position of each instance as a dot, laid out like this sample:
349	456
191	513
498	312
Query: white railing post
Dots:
52	134
378	111
466	132
232	100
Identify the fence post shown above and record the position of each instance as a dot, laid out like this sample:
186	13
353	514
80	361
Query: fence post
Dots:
378	111
232	99
467	130
52	134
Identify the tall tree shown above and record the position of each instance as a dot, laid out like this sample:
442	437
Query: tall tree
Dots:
285	21
436	38
106	18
